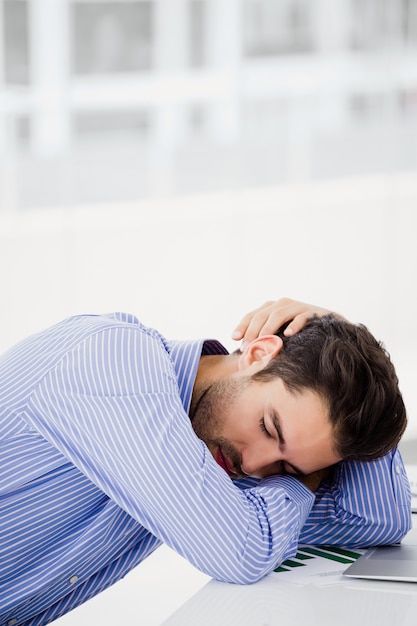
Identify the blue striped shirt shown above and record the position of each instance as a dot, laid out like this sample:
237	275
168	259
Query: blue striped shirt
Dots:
99	465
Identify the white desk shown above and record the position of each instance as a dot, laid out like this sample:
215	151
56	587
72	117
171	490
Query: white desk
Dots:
166	590
274	602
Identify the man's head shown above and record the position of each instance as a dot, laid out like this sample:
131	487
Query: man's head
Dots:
301	403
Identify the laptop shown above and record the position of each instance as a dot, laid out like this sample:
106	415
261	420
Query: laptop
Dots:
395	563
399	562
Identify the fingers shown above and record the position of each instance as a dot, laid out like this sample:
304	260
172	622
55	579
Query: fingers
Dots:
252	325
297	324
270	316
267	319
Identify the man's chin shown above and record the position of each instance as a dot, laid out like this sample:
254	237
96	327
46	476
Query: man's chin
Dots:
226	464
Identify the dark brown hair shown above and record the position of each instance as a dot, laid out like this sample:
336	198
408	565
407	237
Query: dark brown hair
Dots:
353	373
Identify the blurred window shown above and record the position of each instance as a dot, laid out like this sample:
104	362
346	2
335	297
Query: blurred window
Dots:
408	104
113	125
274	28
372	109
111	37
23	131
197	33
16	42
378	23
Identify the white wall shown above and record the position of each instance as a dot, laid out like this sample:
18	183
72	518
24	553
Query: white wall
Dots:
193	266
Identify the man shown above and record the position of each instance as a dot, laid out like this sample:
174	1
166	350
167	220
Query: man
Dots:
101	462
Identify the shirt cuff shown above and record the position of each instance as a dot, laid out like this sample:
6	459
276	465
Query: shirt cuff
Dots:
295	491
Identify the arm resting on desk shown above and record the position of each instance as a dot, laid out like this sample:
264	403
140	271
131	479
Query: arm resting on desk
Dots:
363	504
367	503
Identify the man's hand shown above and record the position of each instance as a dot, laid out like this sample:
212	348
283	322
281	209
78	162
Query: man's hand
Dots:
268	318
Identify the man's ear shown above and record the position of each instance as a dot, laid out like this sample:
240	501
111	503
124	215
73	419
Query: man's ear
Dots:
259	352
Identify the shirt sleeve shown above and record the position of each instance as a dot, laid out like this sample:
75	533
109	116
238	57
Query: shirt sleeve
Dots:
363	504
112	407
366	503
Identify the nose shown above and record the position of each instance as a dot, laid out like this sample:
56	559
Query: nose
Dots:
261	461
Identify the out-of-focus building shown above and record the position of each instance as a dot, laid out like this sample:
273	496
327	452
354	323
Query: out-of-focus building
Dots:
115	100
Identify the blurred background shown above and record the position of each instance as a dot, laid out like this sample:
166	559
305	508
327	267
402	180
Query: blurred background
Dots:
120	100
188	159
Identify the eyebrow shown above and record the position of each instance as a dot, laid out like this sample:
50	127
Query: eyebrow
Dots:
277	425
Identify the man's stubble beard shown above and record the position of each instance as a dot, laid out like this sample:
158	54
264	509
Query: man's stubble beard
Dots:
209	411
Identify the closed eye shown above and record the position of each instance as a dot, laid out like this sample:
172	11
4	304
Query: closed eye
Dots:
264	428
